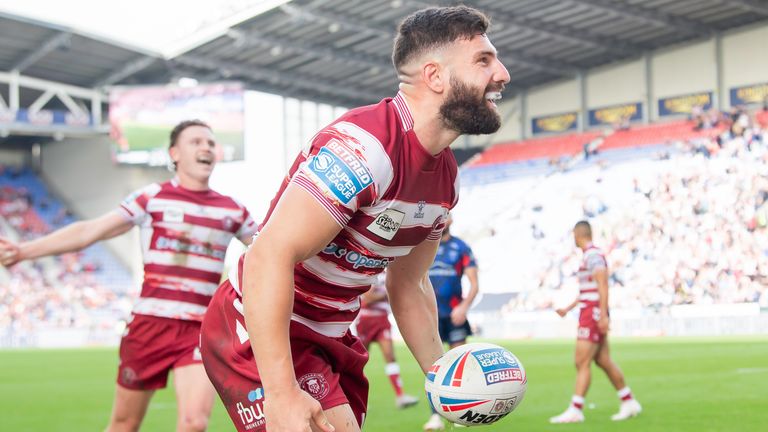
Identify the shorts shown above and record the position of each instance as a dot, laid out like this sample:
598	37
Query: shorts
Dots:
452	334
588	318
152	346
371	328
329	369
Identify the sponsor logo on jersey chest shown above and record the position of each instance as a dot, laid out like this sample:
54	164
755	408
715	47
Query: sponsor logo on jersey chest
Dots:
387	223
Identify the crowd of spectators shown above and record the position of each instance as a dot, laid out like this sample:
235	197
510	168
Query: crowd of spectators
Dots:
49	293
694	230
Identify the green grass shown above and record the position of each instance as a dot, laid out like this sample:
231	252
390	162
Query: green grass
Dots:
683	384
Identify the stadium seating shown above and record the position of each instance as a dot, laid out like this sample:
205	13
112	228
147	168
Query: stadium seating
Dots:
647	190
82	290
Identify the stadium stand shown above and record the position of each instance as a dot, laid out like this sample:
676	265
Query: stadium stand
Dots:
88	291
680	211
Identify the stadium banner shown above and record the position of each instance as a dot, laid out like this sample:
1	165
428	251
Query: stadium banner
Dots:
613	114
749	95
44	118
141	119
683	104
555	123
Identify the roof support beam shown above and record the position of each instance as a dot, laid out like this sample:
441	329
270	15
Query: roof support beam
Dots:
54	42
556	68
127	70
251	38
553	30
649	16
749	5
282	79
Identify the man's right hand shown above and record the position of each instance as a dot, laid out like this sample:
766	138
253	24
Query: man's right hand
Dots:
10	252
561	312
294	411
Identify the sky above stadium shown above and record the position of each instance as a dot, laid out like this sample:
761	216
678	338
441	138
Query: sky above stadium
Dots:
161	26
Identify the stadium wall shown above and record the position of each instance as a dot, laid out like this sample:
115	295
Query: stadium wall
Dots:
744	59
12	156
81	172
674	71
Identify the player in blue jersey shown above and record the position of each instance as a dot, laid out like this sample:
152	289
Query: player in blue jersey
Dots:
454	259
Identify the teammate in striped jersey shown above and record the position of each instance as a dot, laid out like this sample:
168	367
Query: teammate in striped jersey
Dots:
185	228
371	191
373	325
592	336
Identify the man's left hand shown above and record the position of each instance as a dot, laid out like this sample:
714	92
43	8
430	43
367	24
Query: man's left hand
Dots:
604	324
459	315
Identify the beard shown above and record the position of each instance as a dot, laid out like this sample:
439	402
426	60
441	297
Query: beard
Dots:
466	111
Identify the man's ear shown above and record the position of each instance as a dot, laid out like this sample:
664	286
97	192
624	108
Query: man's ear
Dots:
435	76
173	152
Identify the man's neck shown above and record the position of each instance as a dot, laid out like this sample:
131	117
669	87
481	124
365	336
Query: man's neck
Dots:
427	124
190	183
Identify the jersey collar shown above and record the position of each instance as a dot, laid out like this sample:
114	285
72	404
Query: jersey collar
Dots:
401	106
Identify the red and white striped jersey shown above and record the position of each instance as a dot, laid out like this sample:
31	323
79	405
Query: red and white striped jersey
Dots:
387	193
381	307
592	259
184	236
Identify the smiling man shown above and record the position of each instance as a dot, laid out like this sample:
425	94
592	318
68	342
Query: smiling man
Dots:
370	191
185	231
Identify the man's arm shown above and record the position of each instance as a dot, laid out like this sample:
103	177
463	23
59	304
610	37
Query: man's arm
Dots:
563	311
459	313
298	229
601	277
373	295
71	238
413	302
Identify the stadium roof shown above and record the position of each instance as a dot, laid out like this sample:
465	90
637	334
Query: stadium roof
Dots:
338	51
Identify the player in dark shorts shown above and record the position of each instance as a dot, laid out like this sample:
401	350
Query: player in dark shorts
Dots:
454	259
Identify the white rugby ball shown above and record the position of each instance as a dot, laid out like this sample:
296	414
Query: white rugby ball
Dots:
476	384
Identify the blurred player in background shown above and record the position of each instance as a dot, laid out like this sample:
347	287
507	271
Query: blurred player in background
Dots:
592	337
454	259
373	326
371	191
185	230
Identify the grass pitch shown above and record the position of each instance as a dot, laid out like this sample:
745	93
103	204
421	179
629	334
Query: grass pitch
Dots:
714	384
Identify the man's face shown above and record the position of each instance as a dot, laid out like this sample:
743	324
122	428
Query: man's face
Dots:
194	152
477	78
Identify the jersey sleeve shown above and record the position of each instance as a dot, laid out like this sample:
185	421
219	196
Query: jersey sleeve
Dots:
346	169
468	258
134	206
595	261
248	228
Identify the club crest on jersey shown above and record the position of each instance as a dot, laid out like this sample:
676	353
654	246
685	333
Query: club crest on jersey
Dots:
315	384
341	170
420	212
387	223
173	214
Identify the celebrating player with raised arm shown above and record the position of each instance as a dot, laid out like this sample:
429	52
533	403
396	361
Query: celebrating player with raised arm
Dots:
372	190
185	230
592	339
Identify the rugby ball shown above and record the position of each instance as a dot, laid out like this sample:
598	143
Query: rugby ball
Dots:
476	384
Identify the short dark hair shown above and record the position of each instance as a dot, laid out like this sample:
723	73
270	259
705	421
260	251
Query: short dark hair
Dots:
584	227
434	27
179	128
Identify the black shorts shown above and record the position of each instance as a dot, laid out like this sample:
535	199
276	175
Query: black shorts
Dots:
452	334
